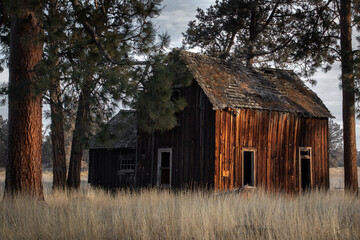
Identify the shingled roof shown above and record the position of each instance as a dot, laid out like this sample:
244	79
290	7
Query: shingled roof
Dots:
231	85
119	132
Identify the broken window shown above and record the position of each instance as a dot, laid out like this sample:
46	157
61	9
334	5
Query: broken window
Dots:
248	166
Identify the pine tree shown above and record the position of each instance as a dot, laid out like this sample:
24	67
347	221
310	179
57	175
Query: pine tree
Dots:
336	143
107	54
156	104
265	33
23	172
55	27
252	31
348	88
94	60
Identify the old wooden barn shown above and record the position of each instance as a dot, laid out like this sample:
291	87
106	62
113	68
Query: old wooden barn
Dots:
112	153
241	127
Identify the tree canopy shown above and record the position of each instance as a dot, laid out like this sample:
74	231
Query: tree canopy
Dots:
282	33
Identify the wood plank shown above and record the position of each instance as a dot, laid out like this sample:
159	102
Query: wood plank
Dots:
269	149
217	150
222	147
288	154
242	140
250	129
237	152
327	154
279	151
232	149
274	143
259	150
264	140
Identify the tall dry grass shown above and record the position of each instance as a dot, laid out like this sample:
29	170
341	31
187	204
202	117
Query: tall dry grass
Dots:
154	214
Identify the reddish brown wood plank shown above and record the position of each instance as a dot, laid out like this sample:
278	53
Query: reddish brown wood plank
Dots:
217	150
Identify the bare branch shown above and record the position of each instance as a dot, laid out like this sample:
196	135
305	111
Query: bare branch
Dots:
272	14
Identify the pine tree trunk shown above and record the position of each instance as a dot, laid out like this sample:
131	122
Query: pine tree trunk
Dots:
57	115
57	137
78	141
347	68
23	171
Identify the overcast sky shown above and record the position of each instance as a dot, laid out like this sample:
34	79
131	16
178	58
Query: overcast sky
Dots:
174	19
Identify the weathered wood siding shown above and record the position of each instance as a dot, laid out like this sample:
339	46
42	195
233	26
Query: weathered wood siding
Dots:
192	145
276	138
104	166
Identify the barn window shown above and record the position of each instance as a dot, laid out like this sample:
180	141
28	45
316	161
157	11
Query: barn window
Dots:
305	161
126	165
248	167
164	167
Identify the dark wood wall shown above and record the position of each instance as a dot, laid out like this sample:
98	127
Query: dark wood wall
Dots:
209	143
275	137
192	145
104	166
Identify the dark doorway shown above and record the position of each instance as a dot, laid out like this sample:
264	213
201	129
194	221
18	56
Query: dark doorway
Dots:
305	174
305	168
164	167
248	168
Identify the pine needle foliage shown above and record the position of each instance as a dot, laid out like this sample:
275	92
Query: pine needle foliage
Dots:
155	104
284	33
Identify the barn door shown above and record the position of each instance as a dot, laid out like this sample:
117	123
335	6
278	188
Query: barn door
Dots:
164	167
305	173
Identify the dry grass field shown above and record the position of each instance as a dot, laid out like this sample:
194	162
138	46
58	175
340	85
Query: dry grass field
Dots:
337	178
154	214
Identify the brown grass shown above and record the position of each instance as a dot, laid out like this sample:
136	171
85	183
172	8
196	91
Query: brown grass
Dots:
337	178
153	214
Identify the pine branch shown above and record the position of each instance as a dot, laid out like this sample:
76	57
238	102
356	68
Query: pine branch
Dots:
281	46
95	37
272	14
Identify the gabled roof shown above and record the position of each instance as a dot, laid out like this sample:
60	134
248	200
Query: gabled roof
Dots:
119	132
231	85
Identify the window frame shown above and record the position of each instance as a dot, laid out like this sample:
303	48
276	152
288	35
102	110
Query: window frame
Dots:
127	170
310	162
158	181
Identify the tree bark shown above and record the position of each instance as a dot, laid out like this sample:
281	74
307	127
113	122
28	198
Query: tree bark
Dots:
78	141
57	115
347	76
57	137
23	171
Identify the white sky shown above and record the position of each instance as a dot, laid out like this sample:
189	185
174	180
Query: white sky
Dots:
174	19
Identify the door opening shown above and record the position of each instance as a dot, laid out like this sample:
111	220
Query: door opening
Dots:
164	167
248	166
305	168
